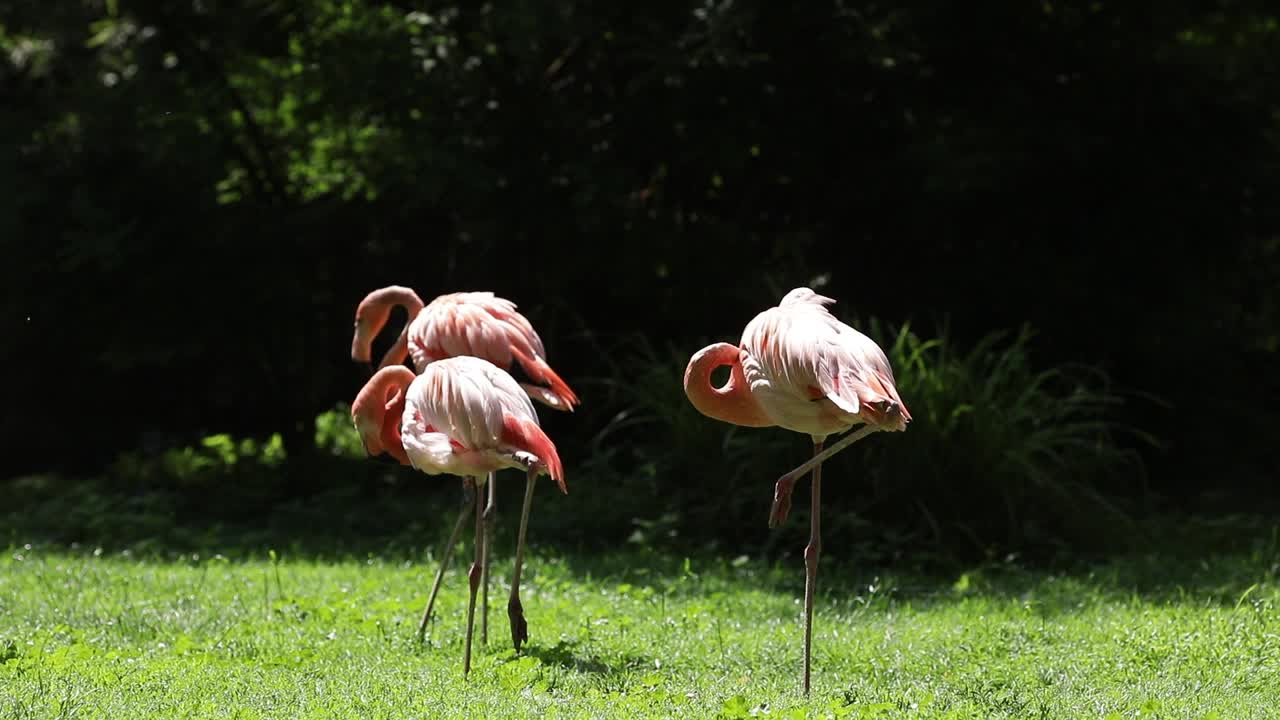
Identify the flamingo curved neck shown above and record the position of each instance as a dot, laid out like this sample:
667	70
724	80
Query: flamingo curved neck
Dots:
377	308
732	403
409	300
399	296
392	443
377	410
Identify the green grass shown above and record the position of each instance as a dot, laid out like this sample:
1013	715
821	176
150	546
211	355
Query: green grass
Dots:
86	634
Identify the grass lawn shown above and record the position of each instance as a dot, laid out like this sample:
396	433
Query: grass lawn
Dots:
112	635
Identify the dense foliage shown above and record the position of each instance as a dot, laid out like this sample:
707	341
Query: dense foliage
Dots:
199	193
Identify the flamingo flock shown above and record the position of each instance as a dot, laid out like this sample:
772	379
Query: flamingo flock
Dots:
462	413
463	324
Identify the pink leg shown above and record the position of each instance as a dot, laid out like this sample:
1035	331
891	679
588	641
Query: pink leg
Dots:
843	443
811	566
489	510
474	577
515	611
444	564
782	492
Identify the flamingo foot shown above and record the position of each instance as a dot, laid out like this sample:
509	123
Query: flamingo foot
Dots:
515	611
781	500
787	483
519	627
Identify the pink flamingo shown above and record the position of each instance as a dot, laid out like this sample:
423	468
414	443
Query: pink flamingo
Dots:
376	413
800	368
462	416
477	324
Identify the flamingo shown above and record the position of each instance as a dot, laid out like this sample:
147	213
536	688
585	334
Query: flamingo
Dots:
800	368
376	414
462	416
478	324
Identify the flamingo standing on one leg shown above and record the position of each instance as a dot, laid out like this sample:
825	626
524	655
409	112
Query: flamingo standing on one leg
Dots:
800	368
463	416
477	324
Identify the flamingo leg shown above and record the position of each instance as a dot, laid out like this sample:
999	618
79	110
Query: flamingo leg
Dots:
811	563
819	457
474	577
782	491
489	509
445	556
515	611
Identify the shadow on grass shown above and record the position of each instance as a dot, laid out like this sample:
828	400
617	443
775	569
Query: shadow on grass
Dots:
384	511
1227	575
568	655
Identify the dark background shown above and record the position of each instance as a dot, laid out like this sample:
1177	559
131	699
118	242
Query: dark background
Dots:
195	196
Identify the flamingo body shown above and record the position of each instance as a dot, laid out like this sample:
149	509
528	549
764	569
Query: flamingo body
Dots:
483	325
798	368
813	374
465	416
478	324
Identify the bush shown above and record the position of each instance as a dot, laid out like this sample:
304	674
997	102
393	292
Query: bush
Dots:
336	433
223	489
1001	455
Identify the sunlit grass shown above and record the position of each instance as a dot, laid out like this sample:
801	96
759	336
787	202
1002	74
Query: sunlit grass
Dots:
88	634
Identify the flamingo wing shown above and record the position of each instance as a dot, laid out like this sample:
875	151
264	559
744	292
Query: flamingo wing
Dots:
804	350
484	325
467	406
474	323
467	398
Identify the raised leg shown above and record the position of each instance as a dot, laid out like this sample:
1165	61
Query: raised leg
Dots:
811	566
446	555
844	442
515	611
782	492
474	577
489	510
